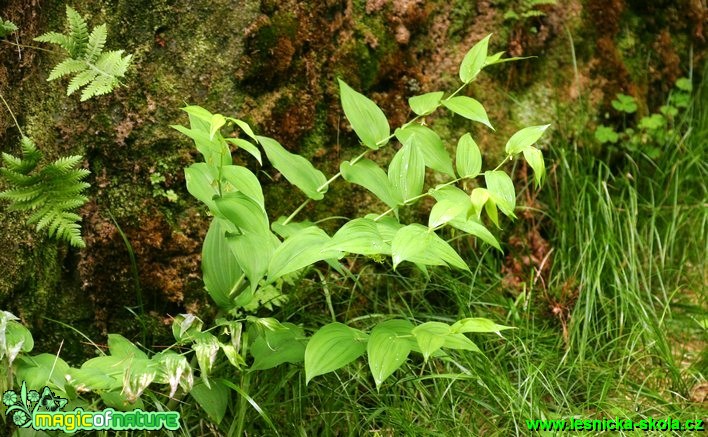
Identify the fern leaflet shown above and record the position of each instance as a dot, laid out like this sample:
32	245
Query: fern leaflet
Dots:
51	192
94	69
6	28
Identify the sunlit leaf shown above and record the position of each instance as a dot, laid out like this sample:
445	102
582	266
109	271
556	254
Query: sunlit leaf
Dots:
372	177
534	158
220	269
524	138
431	337
434	154
296	169
406	172
360	236
248	147
474	60
367	119
425	103
469	108
501	190
446	210
469	158
301	250
216	122
388	347
332	347
419	244
477	324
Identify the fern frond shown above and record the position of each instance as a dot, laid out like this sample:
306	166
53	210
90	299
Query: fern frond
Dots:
96	41
66	67
52	192
6	28
63	41
100	85
94	69
78	32
81	79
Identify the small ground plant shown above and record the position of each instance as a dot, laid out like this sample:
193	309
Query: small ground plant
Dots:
652	131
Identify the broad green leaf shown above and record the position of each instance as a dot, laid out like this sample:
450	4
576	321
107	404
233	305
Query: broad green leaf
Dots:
387	226
469	158
463	222
479	198
243	180
474	60
534	158
14	338
372	177
425	103
461	342
215	124
93	379
220	270
186	326
109	365
248	147
214	150
253	252
453	194
419	244
472	226
120	346
243	212
232	355
360	236
434	154
296	169
213	400
118	400
292	228
446	210
387	349
367	119
431	337
406	172
199	113
43	369
501	190
468	108
205	346
524	138
201	184
273	348
491	208
332	347
301	250
137	377
245	127
174	369
477	324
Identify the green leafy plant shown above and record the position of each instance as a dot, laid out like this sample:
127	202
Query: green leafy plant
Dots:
524	9
247	259
653	130
52	192
6	27
98	72
241	226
